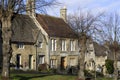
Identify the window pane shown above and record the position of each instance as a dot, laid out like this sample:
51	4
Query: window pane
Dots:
53	63
21	45
63	45
40	44
72	45
72	62
41	59
53	44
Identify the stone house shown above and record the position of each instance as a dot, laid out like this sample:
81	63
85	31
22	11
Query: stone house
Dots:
39	39
62	42
95	56
26	36
111	57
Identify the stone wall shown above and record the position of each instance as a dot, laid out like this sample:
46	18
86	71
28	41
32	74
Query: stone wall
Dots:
67	55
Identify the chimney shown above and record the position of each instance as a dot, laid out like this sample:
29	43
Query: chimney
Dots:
63	13
30	7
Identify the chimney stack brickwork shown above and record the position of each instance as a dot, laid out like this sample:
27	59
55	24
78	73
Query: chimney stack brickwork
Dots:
30	7
63	13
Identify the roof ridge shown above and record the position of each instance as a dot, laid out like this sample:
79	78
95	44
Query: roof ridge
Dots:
50	16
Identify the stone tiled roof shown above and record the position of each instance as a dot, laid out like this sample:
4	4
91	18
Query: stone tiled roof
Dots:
111	55
24	29
55	27
100	50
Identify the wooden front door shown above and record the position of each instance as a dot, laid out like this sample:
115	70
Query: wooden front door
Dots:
63	62
30	62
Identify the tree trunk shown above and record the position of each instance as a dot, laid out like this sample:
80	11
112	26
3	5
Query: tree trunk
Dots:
115	66
81	75
6	47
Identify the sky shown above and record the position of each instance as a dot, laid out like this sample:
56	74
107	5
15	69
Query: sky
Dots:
87	5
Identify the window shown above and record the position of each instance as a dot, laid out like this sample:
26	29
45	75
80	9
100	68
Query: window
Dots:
21	45
63	45
53	43
53	63
41	59
72	62
39	45
72	45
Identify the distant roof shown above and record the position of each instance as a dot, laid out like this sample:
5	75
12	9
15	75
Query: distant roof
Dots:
24	29
55	27
111	56
100	50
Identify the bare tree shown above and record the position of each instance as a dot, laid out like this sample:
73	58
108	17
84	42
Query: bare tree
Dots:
84	25
9	8
110	33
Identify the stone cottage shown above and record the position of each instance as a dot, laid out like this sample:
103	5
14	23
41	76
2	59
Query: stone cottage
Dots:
95	56
25	37
111	57
62	41
39	39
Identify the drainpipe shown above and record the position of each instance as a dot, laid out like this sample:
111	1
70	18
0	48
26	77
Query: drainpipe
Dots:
49	51
36	58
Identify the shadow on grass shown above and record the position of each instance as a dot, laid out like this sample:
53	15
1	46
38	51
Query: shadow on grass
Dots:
23	77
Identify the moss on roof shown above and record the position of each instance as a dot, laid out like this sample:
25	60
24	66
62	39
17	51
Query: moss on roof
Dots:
24	29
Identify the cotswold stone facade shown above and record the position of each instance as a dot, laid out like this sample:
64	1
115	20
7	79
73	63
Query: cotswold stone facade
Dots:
95	57
24	58
61	42
64	54
25	40
42	39
28	56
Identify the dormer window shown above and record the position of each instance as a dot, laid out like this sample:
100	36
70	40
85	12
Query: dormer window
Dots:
21	45
39	45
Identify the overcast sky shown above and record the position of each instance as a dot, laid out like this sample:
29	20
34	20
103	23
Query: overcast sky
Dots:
91	5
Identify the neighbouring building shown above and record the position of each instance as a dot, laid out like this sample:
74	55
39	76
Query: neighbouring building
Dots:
95	56
25	37
111	57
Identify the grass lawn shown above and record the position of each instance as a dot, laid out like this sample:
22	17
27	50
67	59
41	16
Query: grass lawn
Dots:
46	77
104	79
41	77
